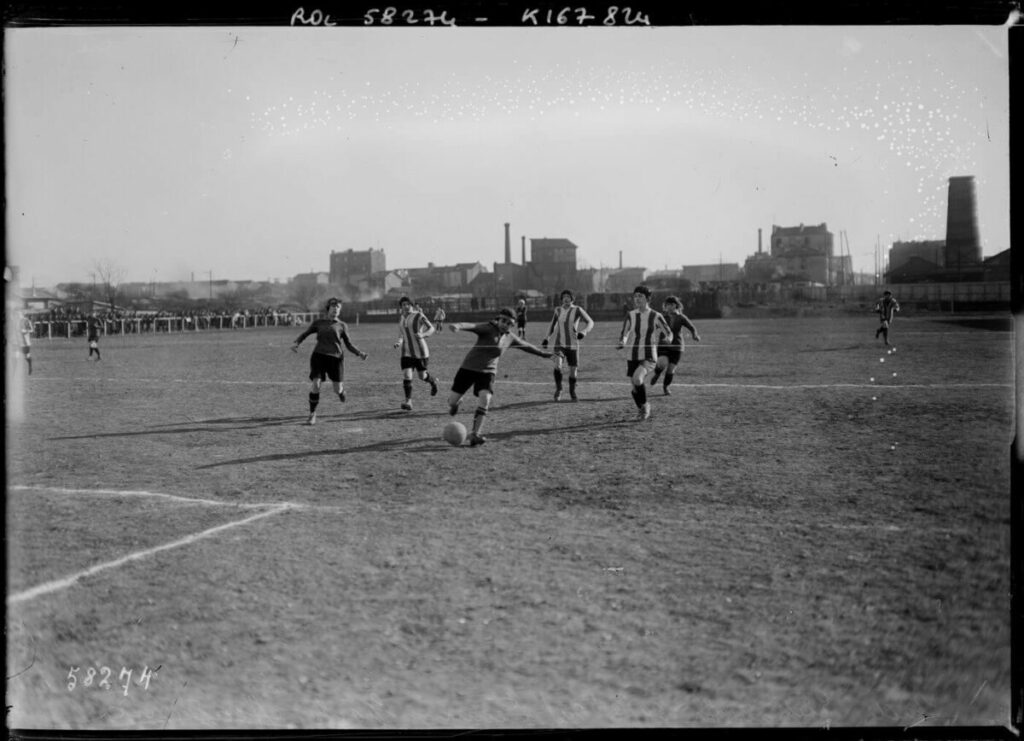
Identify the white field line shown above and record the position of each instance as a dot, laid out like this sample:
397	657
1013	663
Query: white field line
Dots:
129	493
59	584
623	383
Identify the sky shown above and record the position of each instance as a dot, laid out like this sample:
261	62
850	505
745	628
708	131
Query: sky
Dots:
250	153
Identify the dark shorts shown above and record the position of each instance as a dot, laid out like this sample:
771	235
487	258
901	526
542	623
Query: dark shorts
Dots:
571	355
478	380
419	364
632	365
673	354
520	322
321	366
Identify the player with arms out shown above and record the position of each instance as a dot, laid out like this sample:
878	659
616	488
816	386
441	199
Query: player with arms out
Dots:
569	325
643	324
480	365
670	348
413	330
886	309
328	358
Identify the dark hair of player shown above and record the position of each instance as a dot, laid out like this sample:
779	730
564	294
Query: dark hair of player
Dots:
643	291
568	293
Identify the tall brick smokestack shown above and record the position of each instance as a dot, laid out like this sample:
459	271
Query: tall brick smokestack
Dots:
962	244
524	249
508	246
620	259
759	241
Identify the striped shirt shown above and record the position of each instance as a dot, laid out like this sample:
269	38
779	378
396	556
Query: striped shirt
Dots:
887	308
644	327
565	325
330	334
413	329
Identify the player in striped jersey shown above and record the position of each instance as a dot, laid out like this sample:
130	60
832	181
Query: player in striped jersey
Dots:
670	348
569	325
886	309
643	324
328	359
413	330
25	329
481	365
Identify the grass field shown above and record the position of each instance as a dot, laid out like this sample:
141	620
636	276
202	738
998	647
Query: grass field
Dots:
809	531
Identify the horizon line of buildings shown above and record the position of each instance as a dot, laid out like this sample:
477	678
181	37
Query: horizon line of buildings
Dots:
800	254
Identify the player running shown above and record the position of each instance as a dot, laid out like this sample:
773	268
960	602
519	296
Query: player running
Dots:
481	365
886	309
569	325
670	348
413	330
328	358
644	324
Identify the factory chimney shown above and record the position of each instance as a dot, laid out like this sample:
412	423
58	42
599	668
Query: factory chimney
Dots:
620	259
524	249
508	246
962	245
759	240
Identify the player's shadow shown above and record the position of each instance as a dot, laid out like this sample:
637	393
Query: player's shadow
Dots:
422	444
178	428
552	403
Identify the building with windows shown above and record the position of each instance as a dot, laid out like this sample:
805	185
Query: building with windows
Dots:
355	267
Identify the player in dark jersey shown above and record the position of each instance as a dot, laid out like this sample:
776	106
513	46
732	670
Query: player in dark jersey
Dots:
481	364
328	358
644	325
521	318
413	330
92	328
886	309
569	325
670	349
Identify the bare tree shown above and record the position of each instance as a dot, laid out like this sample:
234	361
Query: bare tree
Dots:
110	275
309	295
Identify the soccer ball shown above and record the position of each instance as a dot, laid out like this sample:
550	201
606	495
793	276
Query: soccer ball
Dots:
454	433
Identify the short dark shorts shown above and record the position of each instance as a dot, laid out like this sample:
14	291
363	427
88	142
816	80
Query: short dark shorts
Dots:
520	322
321	366
478	380
632	365
419	364
571	355
674	354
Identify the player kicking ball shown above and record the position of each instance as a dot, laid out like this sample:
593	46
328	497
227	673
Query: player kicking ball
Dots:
480	365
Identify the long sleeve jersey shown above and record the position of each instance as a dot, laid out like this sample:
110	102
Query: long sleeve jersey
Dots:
413	329
330	334
677	323
644	327
567	322
491	342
